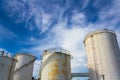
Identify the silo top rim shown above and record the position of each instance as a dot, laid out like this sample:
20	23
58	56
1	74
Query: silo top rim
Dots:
25	54
56	50
9	58
98	32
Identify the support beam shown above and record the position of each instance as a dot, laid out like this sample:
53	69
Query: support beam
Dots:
79	75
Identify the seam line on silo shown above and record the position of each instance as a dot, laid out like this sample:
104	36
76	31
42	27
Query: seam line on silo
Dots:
93	47
24	65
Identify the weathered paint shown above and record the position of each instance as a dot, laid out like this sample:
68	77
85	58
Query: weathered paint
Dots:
7	67
55	66
103	55
24	67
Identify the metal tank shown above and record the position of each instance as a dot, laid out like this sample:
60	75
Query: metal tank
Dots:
7	67
24	67
55	65
103	55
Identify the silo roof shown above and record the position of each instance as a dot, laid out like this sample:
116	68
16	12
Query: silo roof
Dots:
55	50
98	32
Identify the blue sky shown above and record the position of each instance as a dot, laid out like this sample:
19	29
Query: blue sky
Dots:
32	26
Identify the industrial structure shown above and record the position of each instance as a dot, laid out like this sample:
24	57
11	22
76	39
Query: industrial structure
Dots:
103	55
55	65
7	67
24	67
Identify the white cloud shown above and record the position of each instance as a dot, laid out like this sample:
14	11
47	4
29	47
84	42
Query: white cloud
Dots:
78	18
45	21
111	15
32	38
36	69
27	10
85	4
14	7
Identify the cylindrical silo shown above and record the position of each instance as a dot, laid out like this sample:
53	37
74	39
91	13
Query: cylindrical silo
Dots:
24	67
103	55
7	67
55	65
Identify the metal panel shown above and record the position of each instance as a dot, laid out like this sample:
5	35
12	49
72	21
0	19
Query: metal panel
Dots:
55	66
103	55
24	67
7	67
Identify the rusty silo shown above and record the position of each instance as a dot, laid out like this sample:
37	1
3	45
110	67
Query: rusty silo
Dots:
24	67
7	67
55	65
103	55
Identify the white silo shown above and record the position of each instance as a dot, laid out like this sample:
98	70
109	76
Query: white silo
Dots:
7	67
55	65
103	55
24	67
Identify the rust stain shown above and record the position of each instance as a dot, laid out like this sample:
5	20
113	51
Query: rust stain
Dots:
63	72
53	78
54	71
64	64
55	64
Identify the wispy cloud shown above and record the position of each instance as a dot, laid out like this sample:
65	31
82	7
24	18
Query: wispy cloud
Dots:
78	19
111	15
34	13
37	14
